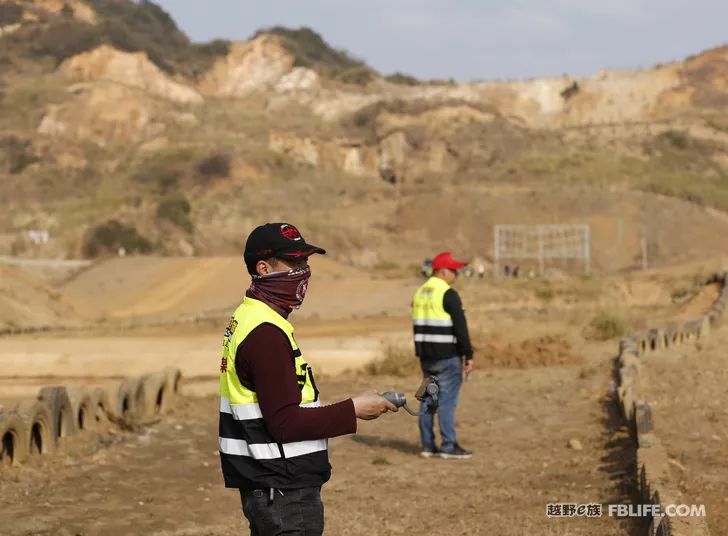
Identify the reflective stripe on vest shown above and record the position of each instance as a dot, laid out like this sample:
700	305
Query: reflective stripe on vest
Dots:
427	337
243	434
433	322
270	451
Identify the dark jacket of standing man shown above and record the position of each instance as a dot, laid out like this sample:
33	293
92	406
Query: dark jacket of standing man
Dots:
273	429
442	343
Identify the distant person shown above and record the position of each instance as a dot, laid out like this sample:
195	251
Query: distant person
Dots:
506	271
273	429
426	268
442	343
481	270
515	271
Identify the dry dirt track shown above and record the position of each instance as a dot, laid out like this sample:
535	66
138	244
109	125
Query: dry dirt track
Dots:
165	479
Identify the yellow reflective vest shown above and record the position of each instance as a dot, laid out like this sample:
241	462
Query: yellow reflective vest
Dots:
250	456
432	324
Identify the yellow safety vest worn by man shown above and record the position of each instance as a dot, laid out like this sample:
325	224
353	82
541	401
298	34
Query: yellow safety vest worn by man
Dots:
273	429
442	343
251	455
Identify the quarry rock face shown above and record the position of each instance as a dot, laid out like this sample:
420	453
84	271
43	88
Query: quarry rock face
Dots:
80	10
102	113
298	79
131	69
303	150
109	110
253	66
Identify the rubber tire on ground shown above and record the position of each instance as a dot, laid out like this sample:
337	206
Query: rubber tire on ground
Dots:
130	404
156	392
80	398
174	380
38	422
61	411
13	439
100	406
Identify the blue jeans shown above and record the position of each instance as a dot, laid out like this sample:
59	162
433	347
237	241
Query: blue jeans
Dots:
297	512
450	373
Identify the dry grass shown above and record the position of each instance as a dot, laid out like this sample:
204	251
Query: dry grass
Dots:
605	325
397	360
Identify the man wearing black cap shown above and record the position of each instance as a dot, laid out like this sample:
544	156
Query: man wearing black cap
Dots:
273	429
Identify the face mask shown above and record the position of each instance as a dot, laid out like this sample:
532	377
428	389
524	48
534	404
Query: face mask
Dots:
284	291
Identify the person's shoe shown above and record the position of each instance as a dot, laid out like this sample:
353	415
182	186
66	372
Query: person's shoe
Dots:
457	453
430	452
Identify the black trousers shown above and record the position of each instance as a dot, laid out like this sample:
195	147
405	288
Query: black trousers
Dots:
290	512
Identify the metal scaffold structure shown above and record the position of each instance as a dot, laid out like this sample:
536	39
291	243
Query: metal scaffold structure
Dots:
541	243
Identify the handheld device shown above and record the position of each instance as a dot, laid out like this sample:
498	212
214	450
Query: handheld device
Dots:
426	393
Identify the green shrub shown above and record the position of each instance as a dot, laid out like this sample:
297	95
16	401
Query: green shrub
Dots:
164	170
310	50
201	56
64	39
67	11
108	237
678	140
402	79
176	209
396	360
23	161
359	75
544	291
10	13
146	27
604	326
16	153
125	24
215	165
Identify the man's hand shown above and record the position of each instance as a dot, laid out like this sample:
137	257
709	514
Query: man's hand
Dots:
468	367
370	405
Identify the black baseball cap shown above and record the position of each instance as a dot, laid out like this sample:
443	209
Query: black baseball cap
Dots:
280	240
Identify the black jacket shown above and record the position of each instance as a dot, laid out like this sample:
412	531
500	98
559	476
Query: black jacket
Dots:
435	351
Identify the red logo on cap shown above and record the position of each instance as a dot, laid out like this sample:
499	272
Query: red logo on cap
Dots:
290	232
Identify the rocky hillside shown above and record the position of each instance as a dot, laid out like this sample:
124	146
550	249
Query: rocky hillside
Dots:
118	132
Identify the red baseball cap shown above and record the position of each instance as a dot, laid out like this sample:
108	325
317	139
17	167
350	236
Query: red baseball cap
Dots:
445	260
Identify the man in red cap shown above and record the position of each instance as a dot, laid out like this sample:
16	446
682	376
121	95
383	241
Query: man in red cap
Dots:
273	429
442	343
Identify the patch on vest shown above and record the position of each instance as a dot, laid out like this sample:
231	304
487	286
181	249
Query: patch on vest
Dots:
301	378
229	330
223	365
232	325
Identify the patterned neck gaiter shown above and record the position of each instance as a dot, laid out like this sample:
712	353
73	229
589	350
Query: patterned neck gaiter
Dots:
284	291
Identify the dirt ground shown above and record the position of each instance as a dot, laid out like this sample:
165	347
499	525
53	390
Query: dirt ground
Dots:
686	388
165	479
538	385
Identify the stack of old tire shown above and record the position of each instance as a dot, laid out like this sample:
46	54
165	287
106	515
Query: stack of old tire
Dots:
38	426
653	475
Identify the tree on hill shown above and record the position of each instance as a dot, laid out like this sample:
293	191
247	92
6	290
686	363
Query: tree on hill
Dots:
310	50
124	24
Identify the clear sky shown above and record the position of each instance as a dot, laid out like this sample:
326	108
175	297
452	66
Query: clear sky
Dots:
478	39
